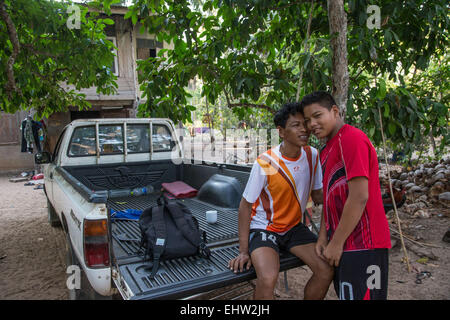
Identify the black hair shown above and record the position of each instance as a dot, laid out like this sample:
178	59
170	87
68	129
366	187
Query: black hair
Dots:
281	116
323	98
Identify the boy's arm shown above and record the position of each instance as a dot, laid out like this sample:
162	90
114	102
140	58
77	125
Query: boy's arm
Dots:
244	217
358	194
322	239
317	196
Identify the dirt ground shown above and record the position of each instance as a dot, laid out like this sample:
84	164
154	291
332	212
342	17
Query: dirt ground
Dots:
32	254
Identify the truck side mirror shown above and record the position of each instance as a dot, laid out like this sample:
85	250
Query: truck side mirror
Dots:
42	157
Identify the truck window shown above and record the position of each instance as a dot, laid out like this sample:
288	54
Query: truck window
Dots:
110	139
161	137
82	142
138	138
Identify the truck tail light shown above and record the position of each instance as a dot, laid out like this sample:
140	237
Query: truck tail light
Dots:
96	245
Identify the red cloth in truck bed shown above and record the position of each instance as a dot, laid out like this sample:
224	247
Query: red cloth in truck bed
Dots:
180	189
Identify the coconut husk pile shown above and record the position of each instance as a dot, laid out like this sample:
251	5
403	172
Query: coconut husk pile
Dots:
427	191
426	185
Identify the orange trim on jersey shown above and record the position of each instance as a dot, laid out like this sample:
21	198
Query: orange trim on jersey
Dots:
283	165
266	205
254	206
292	159
284	204
268	163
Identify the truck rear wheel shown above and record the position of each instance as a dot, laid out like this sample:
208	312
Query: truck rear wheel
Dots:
86	292
53	218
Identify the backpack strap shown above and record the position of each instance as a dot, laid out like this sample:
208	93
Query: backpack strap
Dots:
160	231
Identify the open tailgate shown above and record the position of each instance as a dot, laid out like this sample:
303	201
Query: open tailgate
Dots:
183	277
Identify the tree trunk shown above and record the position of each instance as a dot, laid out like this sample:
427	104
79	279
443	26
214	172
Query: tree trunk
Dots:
338	31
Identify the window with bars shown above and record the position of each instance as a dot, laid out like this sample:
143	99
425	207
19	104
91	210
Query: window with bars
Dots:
147	48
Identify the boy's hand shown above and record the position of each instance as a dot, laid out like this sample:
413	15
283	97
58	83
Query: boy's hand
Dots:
239	262
320	246
333	253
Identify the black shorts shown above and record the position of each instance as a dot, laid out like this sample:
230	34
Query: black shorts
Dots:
362	275
297	235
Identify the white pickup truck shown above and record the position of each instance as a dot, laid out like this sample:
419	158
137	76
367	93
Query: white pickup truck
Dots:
94	162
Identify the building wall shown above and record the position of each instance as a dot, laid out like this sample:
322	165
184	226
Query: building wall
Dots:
120	105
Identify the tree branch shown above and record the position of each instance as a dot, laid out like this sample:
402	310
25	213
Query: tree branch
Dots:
305	49
12	33
252	105
353	79
48	77
289	5
40	53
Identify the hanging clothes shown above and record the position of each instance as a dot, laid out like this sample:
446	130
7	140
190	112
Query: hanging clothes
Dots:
30	135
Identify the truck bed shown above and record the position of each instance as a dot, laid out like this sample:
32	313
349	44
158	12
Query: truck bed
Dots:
126	232
176	278
182	277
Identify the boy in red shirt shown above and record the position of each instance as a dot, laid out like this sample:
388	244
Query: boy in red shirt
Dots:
354	235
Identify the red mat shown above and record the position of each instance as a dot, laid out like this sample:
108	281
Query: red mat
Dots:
179	189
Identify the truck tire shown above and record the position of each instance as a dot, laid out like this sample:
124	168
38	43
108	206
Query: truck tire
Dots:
53	218
86	292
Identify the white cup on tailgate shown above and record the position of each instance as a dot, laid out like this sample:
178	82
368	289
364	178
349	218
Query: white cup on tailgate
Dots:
211	216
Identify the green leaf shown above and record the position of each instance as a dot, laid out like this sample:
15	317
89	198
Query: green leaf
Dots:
386	110
260	66
134	18
381	92
128	14
392	127
108	21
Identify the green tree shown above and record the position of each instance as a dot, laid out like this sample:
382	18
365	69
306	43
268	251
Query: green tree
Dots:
39	52
411	35
254	54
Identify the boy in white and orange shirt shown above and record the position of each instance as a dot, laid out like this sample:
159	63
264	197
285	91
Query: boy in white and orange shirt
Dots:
270	212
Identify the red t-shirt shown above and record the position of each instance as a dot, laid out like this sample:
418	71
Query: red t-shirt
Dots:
347	155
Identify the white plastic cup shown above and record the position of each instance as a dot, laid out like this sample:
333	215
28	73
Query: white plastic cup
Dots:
211	216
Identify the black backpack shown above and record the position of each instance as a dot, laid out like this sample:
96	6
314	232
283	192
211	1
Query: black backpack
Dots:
168	231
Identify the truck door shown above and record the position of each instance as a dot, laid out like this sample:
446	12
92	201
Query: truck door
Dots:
49	174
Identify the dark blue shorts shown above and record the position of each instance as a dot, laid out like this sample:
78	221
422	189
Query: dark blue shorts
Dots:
298	235
362	275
